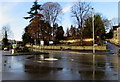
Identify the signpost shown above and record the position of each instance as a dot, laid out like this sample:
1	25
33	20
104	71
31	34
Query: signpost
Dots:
14	46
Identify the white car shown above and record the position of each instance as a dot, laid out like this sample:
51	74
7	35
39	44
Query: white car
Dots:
5	49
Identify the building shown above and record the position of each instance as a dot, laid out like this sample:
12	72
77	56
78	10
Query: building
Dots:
116	35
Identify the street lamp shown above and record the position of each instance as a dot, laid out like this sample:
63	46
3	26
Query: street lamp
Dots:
93	30
93	44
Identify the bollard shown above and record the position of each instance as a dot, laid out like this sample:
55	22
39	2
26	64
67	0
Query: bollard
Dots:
13	51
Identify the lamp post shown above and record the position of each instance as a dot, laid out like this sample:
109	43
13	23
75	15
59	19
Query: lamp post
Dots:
93	30
93	44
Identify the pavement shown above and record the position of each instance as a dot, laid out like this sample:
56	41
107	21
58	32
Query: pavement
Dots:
113	48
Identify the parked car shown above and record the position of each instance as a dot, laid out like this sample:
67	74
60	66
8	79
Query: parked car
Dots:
6	49
119	50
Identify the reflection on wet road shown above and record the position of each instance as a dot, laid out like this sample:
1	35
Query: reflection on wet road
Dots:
69	66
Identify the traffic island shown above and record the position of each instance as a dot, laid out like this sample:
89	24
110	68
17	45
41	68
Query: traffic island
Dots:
98	48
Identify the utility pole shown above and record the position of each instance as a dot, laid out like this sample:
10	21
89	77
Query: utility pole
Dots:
93	30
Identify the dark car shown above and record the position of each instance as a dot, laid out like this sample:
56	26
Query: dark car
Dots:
119	50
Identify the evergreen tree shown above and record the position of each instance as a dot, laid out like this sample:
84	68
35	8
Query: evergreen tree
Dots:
34	11
67	32
99	25
5	41
26	37
110	34
59	33
34	28
72	31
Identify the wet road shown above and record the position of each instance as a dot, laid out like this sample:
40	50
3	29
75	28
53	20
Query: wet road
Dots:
69	66
113	48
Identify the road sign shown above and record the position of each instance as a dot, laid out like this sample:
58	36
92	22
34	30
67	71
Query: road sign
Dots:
14	45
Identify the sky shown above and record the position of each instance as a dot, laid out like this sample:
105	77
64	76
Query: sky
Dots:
12	13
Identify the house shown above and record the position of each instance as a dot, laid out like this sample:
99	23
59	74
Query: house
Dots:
116	35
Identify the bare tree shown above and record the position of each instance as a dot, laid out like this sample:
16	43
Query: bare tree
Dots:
51	11
114	21
107	24
79	12
6	31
